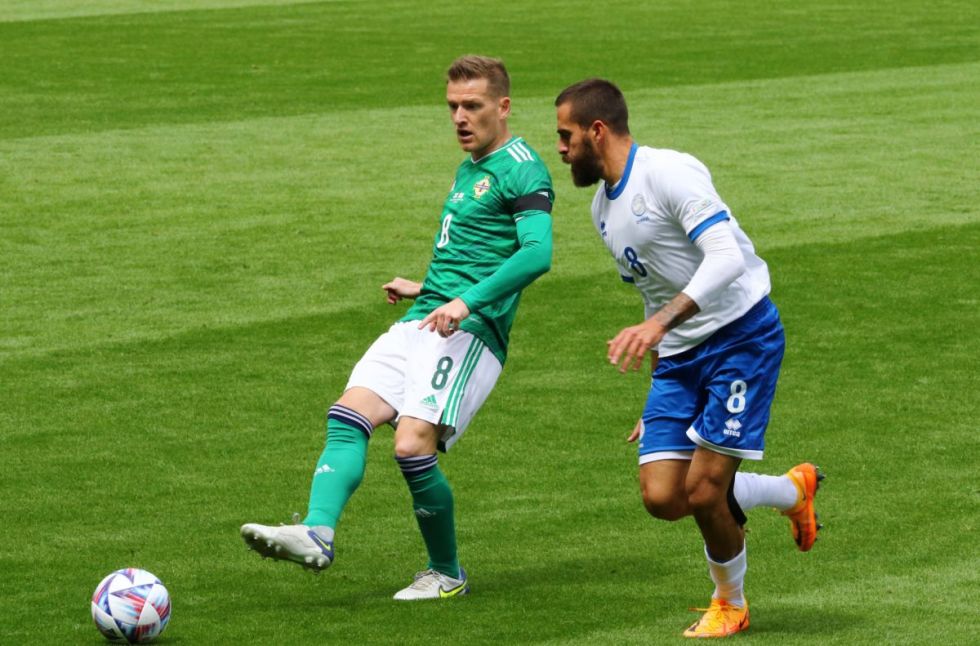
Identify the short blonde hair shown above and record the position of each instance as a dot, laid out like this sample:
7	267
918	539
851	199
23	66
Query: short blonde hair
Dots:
471	67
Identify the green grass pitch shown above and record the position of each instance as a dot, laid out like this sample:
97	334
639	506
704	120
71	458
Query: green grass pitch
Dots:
199	201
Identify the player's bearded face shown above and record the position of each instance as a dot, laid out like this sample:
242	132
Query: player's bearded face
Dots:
577	148
585	164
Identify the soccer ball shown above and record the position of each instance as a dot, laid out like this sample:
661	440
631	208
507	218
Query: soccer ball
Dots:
131	605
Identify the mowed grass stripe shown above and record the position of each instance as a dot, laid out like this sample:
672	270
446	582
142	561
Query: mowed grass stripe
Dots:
35	10
135	234
107	72
168	445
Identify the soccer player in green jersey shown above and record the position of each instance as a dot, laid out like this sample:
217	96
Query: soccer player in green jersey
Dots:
433	369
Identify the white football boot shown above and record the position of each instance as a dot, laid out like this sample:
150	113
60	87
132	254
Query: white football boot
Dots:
296	543
430	584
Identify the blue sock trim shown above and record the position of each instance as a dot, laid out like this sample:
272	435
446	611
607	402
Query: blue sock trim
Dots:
352	417
415	465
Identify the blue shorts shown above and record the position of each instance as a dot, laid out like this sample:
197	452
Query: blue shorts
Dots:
716	395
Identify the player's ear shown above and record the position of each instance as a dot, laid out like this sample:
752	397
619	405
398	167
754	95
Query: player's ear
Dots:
503	106
597	130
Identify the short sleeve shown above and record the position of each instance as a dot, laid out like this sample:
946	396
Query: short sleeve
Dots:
528	189
686	190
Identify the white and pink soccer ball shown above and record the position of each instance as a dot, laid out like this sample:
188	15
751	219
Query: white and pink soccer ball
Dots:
131	605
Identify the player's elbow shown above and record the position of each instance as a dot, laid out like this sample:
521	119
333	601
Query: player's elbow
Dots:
723	262
544	266
728	267
738	261
737	267
538	261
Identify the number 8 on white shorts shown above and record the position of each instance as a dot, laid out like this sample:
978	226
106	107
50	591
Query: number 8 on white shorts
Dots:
423	375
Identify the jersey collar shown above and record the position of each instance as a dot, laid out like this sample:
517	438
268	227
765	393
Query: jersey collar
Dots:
620	186
504	146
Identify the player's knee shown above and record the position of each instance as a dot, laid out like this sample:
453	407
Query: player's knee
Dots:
665	509
663	504
413	438
406	447
409	444
704	494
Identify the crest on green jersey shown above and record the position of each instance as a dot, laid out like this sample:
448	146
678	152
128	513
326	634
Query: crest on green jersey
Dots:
481	187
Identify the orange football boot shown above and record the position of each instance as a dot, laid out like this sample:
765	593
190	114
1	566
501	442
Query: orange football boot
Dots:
802	517
721	619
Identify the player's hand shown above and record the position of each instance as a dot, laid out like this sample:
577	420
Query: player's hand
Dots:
632	344
636	431
398	288
446	318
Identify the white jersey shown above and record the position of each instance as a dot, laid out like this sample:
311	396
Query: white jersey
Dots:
649	221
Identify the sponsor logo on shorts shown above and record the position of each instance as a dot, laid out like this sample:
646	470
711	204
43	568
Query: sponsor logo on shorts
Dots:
430	402
731	428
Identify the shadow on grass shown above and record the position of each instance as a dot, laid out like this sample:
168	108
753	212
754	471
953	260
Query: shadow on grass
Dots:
794	623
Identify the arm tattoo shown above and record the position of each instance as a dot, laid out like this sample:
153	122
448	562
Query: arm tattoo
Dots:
679	309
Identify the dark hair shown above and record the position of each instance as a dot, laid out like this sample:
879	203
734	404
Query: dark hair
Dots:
596	100
468	68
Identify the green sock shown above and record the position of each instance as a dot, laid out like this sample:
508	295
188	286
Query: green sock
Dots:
432	500
338	472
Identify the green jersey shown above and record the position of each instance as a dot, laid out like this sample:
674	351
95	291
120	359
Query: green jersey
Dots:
494	239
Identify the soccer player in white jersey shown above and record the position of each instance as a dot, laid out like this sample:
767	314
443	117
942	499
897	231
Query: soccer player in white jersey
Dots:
433	369
715	339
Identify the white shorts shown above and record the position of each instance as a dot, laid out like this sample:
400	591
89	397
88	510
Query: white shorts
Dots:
423	375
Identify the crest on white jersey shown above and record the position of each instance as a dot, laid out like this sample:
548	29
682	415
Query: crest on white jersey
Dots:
638	206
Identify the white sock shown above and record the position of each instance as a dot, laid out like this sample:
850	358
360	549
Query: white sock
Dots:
754	490
728	577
